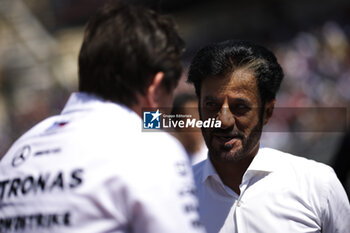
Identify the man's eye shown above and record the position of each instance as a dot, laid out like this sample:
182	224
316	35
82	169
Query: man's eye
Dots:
210	104
241	109
241	106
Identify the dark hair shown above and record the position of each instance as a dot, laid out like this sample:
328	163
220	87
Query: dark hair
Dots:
124	47
224	58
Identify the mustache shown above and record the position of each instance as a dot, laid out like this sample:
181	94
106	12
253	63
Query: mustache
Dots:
228	133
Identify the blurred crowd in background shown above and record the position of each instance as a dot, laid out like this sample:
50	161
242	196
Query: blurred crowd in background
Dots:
316	64
40	41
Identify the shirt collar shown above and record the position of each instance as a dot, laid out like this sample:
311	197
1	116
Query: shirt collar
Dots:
209	170
80	101
264	161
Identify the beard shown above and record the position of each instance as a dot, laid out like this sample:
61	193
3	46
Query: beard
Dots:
232	152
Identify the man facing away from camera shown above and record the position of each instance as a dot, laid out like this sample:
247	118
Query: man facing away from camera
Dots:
245	188
91	169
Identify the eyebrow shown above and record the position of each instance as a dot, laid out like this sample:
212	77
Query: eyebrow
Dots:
244	101
209	97
238	100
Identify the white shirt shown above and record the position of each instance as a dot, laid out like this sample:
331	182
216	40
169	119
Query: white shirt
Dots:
279	193
200	155
92	169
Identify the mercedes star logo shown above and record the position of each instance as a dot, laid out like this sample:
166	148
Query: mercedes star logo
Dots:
21	156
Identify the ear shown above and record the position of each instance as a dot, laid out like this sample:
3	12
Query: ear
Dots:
154	90
269	107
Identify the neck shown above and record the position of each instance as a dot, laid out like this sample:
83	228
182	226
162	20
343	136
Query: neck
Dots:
231	173
141	103
137	109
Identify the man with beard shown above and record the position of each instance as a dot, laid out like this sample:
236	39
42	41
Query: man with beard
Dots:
241	186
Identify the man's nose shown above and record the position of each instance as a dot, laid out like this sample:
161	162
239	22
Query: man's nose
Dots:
226	117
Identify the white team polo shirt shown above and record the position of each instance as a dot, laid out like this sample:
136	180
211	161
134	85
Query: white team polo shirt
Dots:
279	193
92	169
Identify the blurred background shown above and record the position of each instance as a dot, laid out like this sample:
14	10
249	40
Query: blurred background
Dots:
40	41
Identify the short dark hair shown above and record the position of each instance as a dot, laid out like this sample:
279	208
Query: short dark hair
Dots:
223	58
124	47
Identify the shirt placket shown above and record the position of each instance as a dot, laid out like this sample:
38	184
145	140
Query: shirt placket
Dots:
238	207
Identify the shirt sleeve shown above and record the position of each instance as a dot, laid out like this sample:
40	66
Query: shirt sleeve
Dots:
336	215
